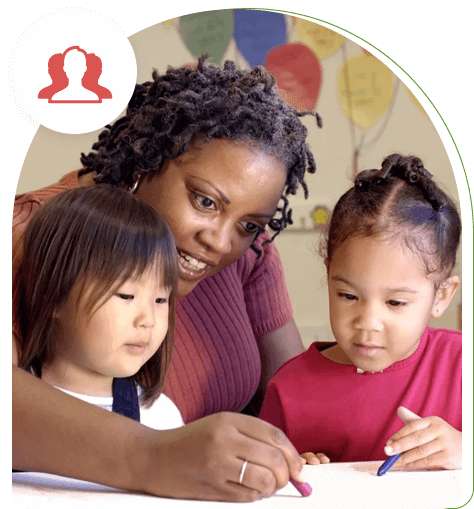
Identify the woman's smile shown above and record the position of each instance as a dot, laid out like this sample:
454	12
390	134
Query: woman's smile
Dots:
191	268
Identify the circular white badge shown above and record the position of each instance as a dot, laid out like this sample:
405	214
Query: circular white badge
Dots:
74	71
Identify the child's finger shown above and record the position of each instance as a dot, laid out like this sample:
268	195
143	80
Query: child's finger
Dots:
420	454
413	434
434	461
311	458
414	430
406	415
323	458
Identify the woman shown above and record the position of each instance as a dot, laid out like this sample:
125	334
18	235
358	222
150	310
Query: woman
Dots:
213	151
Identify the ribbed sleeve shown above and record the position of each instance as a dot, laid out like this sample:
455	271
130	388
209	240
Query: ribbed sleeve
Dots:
266	295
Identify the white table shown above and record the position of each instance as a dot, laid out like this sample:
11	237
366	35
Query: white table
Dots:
336	485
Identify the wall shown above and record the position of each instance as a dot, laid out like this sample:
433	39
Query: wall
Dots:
408	131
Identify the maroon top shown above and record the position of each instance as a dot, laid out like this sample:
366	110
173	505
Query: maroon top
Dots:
323	406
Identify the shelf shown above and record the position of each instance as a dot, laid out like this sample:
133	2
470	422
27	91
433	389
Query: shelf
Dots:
300	230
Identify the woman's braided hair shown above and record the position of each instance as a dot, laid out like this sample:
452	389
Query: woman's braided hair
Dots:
166	114
401	200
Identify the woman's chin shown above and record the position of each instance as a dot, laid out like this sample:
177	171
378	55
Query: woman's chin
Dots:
186	287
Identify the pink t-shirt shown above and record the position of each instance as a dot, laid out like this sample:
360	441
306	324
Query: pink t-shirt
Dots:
216	362
327	407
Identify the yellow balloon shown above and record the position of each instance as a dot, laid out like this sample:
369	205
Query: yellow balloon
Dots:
323	41
365	87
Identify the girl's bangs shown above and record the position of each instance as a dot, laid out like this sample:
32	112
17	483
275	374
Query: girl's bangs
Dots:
131	259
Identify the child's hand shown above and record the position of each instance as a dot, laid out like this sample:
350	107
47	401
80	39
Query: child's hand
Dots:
314	459
430	443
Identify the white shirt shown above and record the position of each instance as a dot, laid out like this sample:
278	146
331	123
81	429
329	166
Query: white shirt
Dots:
162	414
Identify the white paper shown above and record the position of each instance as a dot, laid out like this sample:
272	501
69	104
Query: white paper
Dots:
336	485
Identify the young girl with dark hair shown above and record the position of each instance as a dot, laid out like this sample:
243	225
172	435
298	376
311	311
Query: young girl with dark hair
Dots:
390	251
97	289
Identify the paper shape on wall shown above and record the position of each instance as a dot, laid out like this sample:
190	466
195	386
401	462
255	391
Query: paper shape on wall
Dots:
365	87
209	31
320	215
416	101
170	23
367	52
257	32
323	41
298	74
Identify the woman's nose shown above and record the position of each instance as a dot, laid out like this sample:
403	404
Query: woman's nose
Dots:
217	238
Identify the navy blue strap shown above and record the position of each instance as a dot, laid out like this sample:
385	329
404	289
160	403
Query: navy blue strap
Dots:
126	398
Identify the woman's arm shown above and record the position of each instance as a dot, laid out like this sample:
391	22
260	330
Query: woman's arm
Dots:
57	433
275	349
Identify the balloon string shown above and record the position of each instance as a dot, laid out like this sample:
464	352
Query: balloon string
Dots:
358	149
387	115
355	150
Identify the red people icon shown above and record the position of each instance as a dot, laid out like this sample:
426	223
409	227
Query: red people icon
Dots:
75	74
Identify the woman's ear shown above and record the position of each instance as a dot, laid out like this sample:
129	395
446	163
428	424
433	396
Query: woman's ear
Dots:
326	262
444	295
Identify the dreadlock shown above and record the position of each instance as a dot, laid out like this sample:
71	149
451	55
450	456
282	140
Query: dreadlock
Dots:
164	115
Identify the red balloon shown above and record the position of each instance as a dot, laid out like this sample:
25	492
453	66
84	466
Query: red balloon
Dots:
298	74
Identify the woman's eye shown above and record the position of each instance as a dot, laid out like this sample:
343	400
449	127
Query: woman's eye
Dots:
252	227
161	300
125	296
204	202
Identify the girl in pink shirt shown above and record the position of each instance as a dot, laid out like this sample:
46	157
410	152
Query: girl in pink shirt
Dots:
390	251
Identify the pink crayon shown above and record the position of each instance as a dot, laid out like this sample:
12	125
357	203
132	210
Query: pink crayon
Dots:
303	488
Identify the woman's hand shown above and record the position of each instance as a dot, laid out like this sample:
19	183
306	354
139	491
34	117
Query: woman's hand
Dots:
315	459
428	443
204	459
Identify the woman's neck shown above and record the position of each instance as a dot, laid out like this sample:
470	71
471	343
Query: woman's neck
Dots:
87	179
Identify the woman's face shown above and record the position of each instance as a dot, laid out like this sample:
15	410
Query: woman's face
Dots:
215	198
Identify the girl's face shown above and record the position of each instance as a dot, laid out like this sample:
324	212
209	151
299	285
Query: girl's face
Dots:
380	301
215	198
115	341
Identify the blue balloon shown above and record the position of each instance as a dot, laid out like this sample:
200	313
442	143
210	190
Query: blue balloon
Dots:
257	32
